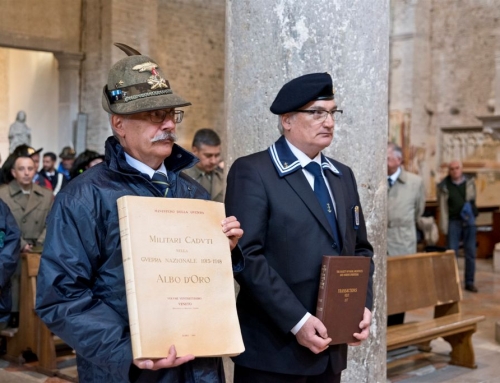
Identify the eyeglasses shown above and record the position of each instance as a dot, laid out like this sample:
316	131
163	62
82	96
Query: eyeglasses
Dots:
158	116
320	115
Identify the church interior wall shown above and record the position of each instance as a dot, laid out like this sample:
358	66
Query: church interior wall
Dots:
442	75
31	86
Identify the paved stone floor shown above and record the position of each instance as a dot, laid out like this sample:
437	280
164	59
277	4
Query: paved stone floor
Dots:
409	365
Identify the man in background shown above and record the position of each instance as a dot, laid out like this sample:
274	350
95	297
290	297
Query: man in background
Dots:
30	204
67	157
53	178
405	204
207	147
457	217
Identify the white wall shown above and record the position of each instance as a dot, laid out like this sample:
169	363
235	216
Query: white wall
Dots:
33	86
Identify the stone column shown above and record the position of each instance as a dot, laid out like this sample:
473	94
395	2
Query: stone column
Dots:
269	43
103	23
496	83
69	94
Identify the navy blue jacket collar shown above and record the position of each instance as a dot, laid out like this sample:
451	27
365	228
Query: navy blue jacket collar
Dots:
178	160
286	163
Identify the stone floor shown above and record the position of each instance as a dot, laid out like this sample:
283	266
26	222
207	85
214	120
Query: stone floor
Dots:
408	365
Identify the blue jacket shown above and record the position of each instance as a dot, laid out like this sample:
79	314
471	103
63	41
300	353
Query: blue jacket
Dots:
81	289
10	236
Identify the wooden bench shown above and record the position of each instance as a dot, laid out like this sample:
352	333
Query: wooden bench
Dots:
32	333
425	280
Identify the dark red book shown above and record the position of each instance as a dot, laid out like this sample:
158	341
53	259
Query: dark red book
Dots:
342	295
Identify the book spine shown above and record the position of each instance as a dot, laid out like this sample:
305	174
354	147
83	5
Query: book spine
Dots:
322	290
128	270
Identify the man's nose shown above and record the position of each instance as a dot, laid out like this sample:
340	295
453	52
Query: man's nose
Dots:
168	124
329	120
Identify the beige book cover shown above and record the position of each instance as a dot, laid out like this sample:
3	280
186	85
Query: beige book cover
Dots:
179	277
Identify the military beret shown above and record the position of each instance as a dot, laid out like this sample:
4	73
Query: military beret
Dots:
301	90
136	84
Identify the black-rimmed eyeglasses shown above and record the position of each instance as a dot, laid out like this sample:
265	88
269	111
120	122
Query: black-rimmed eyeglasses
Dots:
320	115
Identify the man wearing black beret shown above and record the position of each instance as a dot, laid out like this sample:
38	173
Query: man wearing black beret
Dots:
295	205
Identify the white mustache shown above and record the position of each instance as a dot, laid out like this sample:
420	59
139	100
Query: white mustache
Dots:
165	136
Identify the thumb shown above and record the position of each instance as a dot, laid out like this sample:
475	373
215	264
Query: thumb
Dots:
321	329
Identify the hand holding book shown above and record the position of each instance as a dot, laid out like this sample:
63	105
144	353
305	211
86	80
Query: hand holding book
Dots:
170	361
364	326
313	335
231	228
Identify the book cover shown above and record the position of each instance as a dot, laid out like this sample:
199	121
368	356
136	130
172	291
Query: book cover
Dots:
342	295
178	277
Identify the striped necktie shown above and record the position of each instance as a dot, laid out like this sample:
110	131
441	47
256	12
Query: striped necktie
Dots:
160	181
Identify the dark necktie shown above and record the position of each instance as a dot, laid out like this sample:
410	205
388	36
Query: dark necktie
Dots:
390	182
160	181
321	191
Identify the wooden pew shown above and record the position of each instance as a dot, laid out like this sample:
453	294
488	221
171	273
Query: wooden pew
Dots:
425	280
32	333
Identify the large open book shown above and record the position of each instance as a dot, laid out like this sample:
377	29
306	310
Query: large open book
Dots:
178	276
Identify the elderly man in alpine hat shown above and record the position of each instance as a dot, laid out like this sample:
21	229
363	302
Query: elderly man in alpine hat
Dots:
296	205
81	288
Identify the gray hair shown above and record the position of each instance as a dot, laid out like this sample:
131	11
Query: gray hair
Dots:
398	152
280	125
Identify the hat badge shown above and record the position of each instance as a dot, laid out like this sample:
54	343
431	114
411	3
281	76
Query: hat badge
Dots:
155	80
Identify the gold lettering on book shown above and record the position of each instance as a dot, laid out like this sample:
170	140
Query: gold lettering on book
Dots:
177	279
342	291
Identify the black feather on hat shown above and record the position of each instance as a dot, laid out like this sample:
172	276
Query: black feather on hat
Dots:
136	84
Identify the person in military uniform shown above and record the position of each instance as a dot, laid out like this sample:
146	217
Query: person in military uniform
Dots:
30	205
207	147
21	150
81	287
67	157
295	205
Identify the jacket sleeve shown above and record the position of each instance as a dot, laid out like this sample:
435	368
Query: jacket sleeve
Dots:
246	199
9	244
420	202
65	300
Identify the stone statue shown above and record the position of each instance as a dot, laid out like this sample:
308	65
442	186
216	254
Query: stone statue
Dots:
19	133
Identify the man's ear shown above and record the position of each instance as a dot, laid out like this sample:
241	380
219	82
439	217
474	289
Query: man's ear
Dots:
194	150
286	120
117	123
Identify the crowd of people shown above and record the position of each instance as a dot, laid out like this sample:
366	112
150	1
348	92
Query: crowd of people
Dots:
286	207
27	196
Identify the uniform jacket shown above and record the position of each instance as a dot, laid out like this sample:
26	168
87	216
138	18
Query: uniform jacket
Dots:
81	288
10	236
443	194
405	204
31	220
286	235
218	184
